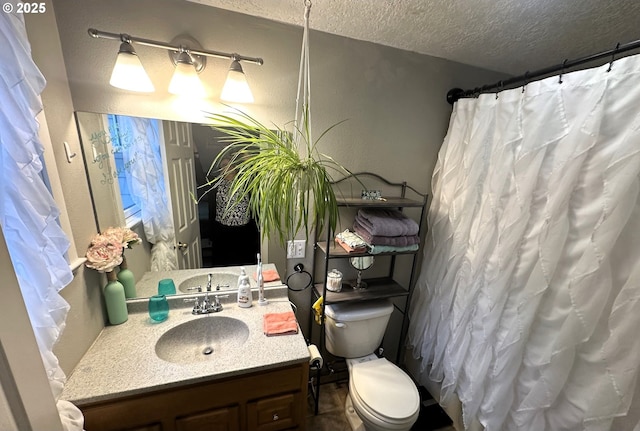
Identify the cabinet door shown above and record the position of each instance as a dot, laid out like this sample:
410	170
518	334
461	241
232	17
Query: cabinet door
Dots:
225	419
274	413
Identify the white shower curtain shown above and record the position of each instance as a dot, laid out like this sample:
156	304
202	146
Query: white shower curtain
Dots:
143	158
527	308
28	214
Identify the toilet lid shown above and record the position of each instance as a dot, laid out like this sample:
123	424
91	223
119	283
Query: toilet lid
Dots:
385	389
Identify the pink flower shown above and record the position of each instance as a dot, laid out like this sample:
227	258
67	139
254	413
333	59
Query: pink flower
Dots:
121	235
106	250
130	237
104	256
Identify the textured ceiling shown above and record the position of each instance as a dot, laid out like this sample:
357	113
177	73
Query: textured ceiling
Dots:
510	36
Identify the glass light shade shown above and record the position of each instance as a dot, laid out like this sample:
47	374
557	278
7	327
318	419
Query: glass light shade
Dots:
236	89
129	74
185	81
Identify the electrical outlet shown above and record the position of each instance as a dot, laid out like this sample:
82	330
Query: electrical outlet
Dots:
296	249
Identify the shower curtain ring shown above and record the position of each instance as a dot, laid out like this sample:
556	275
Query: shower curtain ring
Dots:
500	88
564	64
526	80
613	56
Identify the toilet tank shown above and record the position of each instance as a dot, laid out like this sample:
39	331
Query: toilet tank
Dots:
356	329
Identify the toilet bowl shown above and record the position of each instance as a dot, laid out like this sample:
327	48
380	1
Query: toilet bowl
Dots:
381	396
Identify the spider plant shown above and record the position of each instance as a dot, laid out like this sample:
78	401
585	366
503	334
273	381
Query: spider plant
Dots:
286	179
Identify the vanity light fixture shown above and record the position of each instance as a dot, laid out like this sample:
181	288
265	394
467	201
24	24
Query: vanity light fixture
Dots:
236	88
189	59
185	81
128	72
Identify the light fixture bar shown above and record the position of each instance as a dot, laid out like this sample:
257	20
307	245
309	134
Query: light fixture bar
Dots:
148	42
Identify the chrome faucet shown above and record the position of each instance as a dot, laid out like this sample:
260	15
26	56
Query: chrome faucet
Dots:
197	306
206	306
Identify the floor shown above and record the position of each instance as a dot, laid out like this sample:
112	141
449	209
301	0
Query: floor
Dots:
331	412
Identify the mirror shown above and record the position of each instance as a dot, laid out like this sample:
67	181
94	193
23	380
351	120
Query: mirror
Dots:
360	263
221	280
124	154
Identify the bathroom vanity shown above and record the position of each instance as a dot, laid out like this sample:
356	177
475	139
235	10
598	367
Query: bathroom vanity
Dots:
181	374
266	400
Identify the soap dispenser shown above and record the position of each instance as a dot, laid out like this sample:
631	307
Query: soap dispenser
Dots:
244	290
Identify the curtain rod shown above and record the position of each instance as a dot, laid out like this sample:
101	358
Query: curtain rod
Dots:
457	93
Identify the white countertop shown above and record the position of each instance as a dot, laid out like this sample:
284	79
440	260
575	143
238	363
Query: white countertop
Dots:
122	361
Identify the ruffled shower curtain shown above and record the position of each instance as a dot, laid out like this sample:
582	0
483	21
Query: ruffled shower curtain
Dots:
142	156
527	308
28	214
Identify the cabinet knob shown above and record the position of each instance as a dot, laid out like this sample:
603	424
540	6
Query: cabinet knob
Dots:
276	417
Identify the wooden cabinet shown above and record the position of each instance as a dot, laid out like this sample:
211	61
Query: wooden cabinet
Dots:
272	400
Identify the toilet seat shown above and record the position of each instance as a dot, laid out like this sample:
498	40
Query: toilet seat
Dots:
384	393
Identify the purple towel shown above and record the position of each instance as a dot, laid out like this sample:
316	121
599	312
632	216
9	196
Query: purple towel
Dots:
386	222
394	241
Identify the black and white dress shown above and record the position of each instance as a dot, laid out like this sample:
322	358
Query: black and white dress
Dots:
236	240
230	213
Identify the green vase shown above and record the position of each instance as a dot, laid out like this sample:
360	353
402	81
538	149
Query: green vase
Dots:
125	276
115	300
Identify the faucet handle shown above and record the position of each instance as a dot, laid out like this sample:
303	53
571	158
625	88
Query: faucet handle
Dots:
216	306
197	308
198	288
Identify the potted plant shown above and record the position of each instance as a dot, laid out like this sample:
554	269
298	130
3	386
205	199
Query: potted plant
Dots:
286	179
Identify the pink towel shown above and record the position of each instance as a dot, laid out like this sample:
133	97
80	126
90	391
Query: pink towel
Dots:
280	324
268	275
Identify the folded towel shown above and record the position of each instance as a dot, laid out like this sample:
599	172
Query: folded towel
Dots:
349	249
386	222
395	241
268	275
351	239
377	249
280	323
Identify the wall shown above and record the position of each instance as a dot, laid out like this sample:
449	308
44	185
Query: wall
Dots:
394	100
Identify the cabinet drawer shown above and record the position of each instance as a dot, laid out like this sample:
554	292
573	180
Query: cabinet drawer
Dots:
274	413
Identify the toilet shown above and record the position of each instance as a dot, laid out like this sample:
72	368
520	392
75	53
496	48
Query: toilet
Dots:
381	396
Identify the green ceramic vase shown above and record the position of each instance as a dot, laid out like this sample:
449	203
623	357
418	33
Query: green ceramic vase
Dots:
125	276
115	300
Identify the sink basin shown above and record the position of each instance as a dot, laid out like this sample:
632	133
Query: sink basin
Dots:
226	281
202	339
